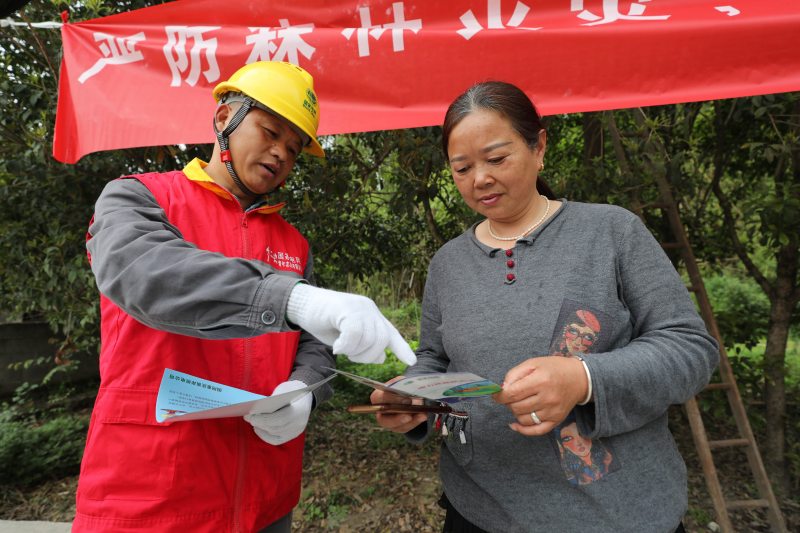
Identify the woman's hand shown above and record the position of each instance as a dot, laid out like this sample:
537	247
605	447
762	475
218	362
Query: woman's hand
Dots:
401	422
549	387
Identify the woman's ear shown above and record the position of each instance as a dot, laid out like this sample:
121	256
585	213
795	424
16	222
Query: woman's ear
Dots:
542	144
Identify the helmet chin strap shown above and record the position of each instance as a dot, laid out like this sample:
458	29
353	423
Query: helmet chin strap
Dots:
225	152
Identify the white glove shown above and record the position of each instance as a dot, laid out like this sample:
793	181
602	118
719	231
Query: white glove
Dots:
287	422
351	324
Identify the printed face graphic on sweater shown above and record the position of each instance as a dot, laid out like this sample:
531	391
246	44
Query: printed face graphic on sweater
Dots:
578	332
583	460
574	442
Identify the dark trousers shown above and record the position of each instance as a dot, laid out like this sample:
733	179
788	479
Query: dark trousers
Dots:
281	525
455	523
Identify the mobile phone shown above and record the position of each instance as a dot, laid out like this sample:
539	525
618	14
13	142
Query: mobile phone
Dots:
397	408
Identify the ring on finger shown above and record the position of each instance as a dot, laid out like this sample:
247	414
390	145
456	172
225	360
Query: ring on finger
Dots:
535	418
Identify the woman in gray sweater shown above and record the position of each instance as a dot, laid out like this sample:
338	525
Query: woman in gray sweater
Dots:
578	312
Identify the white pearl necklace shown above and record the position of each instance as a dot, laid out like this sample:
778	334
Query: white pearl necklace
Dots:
530	229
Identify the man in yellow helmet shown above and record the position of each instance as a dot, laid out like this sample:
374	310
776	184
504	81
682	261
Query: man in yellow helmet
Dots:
199	274
286	97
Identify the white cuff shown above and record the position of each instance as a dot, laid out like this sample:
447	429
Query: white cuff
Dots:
589	379
298	301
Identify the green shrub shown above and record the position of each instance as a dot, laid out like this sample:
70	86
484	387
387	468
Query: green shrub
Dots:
357	392
740	307
405	318
30	455
35	403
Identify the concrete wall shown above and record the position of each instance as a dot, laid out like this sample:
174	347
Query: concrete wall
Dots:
31	340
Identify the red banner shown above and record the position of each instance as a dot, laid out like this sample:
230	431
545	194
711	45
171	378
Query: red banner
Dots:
144	78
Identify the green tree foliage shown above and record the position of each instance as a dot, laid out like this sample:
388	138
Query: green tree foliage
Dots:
378	206
43	205
756	182
46	206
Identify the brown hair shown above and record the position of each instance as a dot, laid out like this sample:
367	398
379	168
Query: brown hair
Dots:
508	101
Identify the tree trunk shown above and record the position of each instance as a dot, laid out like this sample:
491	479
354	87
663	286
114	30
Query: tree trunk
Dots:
782	300
592	143
423	193
775	394
433	227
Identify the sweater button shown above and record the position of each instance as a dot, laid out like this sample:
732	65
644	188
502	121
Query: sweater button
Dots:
509	253
510	277
268	318
510	263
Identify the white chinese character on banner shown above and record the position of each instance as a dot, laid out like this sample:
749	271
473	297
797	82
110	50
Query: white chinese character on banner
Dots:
363	33
116	51
728	10
179	61
397	27
263	45
494	20
611	12
265	49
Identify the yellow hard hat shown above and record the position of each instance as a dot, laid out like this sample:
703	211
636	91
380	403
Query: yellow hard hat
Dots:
285	89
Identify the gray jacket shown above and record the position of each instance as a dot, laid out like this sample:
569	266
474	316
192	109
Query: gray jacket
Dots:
229	303
593	274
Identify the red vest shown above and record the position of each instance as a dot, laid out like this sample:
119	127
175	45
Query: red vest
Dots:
198	476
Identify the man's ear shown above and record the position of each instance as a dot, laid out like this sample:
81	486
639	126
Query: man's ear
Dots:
222	116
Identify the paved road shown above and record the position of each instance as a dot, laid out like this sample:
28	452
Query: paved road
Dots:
13	526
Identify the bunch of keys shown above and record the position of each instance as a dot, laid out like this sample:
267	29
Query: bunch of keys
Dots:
447	419
452	423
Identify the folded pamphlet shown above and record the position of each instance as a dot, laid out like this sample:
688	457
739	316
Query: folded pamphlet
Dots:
186	397
448	387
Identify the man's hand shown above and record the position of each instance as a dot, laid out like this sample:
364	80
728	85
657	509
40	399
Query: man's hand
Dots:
351	324
286	423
